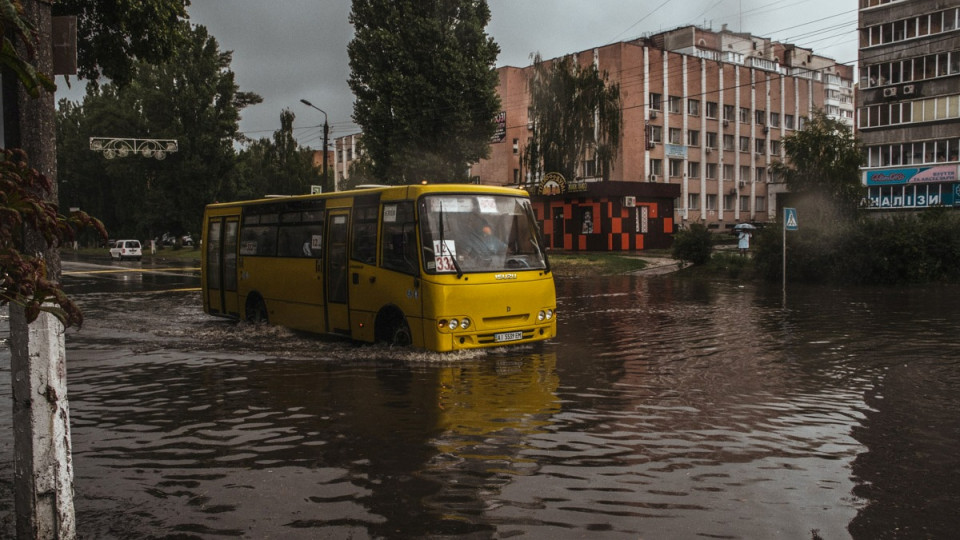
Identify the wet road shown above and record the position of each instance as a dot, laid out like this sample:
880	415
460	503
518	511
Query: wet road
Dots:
668	408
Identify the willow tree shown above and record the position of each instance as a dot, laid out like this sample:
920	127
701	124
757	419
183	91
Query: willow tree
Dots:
574	110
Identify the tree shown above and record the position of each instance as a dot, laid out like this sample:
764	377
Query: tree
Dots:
574	109
823	169
423	75
277	167
113	34
192	98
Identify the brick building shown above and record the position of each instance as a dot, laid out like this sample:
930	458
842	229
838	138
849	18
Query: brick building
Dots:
703	111
909	102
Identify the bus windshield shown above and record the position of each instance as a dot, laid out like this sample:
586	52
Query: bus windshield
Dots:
465	233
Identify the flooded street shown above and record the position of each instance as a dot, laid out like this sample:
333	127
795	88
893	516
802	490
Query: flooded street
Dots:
667	408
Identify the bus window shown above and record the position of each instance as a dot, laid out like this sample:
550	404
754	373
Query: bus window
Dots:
398	249
479	233
364	247
300	241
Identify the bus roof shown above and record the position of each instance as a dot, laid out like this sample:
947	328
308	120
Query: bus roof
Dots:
413	191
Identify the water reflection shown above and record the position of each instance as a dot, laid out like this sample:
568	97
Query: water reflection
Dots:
668	407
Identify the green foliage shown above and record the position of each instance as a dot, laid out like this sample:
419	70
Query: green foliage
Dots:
693	244
277	167
903	249
14	28
192	98
423	75
113	35
823	169
24	204
573	109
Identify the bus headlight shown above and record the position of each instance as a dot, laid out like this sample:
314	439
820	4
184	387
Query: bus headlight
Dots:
465	323
545	315
549	314
453	324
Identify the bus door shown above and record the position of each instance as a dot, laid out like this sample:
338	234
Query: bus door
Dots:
336	272
221	272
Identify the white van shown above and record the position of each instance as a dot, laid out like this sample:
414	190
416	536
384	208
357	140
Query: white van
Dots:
126	249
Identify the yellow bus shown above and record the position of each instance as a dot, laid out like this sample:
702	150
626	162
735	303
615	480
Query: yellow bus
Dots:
441	267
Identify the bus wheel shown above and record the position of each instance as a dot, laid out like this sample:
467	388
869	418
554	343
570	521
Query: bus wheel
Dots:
392	328
256	310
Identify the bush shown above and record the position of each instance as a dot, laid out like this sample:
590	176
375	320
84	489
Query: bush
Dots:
693	245
908	248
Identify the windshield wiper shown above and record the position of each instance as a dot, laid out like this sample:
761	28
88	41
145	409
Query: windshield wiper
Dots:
443	245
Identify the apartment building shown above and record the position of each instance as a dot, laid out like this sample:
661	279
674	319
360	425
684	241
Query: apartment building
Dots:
909	102
703	110
346	150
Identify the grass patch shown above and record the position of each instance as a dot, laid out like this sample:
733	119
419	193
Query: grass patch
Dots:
592	264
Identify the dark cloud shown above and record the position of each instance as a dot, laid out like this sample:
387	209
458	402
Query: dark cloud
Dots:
288	50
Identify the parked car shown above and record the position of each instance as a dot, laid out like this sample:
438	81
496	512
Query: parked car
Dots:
168	239
126	249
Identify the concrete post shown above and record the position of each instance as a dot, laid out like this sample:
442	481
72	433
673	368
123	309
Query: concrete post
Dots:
43	468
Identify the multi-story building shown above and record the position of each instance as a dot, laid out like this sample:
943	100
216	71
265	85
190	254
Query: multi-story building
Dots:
346	150
705	111
909	102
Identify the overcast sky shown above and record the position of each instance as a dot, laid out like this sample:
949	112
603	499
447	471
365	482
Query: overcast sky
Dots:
288	50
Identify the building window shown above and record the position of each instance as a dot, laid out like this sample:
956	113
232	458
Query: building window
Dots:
774	119
788	121
760	146
711	109
744	173
760	117
676	136
516	146
711	170
728	172
693	201
760	203
656	134
728	111
744	115
711	139
589	168
693	107
693	169
744	144
775	147
728	203
675	104
655	100
761	175
693	137
676	167
728	142
744	203
656	167
711	201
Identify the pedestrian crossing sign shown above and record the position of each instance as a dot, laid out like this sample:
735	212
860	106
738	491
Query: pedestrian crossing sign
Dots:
790	219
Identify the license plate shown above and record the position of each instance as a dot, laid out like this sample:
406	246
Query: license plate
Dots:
507	336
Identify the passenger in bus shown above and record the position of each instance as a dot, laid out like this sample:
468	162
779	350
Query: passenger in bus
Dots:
485	243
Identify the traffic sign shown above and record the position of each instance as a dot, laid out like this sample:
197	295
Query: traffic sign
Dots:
790	219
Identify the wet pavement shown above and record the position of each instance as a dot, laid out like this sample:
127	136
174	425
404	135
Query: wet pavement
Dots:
667	408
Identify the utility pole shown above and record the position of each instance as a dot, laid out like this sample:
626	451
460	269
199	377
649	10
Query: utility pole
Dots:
43	466
326	132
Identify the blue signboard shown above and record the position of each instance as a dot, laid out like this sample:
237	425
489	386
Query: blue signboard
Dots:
790	219
912	175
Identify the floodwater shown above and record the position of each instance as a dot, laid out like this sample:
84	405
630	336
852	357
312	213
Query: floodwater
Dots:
667	408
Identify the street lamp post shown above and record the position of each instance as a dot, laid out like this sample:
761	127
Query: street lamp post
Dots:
326	131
